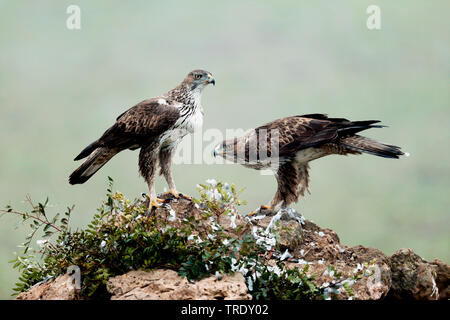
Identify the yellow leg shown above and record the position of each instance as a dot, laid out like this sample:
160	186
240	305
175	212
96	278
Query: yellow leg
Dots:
173	192
154	202
177	194
263	207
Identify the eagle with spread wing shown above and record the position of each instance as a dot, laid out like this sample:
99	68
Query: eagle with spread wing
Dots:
156	126
287	145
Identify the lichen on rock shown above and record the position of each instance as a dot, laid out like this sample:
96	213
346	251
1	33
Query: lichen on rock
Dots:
205	249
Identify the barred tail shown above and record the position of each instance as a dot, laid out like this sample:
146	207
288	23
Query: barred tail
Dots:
366	145
92	164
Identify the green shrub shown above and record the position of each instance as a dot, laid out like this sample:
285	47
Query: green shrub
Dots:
123	237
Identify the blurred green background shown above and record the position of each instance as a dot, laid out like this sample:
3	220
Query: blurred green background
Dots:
60	89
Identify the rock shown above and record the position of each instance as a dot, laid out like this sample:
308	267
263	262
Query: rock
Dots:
291	234
163	284
442	279
62	288
415	278
372	274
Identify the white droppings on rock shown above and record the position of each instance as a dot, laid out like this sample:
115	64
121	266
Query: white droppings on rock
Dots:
233	221
286	255
172	215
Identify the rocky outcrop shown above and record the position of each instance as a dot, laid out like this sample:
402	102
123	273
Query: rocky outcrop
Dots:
320	247
163	284
62	288
415	278
370	274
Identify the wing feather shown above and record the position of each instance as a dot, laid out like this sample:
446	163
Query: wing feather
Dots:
305	131
140	124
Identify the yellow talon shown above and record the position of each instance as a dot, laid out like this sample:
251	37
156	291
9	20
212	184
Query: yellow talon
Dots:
173	192
177	194
263	207
154	202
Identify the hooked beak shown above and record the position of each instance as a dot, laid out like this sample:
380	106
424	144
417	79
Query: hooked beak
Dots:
216	151
211	80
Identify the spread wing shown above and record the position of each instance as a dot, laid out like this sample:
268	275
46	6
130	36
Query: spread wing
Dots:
301	132
138	125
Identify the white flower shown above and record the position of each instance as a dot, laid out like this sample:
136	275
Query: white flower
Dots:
41	243
214	226
212	182
215	195
275	269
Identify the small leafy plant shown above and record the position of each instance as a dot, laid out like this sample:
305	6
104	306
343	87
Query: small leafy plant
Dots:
122	236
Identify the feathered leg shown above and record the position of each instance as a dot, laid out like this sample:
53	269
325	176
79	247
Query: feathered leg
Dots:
288	177
165	162
293	181
148	160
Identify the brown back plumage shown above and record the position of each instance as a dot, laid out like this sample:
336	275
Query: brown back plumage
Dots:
301	139
314	130
139	125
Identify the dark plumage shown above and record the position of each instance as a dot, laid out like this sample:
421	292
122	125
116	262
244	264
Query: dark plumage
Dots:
301	139
156	126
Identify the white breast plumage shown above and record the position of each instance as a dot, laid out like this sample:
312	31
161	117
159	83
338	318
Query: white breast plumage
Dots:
191	122
194	122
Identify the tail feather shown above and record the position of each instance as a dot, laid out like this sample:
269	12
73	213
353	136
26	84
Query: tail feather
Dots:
91	165
358	126
366	145
88	150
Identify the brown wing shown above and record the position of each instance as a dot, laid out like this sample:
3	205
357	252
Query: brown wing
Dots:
301	132
137	126
141	123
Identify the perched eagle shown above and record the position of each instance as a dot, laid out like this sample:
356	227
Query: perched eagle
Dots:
287	146
156	126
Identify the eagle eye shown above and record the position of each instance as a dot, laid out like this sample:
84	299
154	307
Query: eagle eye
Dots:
197	76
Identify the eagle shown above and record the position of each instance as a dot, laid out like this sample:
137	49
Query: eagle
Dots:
286	146
155	126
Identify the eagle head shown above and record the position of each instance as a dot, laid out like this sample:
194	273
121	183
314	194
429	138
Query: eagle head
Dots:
199	79
228	149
